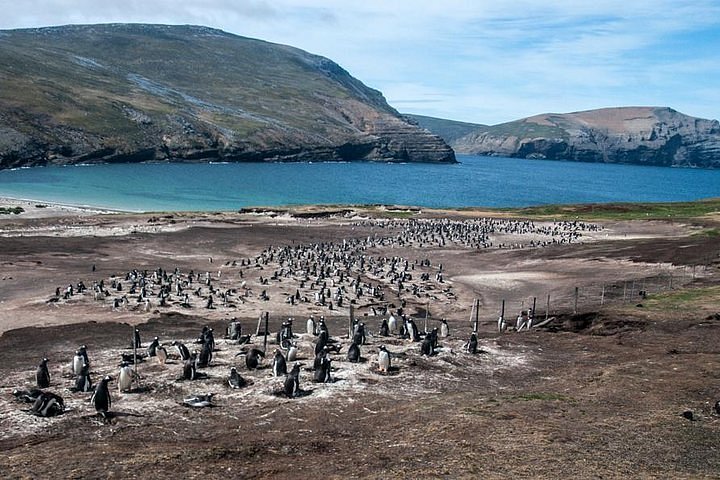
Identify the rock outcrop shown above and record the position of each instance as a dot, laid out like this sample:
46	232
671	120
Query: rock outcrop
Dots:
135	93
637	135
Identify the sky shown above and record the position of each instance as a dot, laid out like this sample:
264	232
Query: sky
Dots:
481	61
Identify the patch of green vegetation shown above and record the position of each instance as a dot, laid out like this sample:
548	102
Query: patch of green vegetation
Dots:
685	299
11	210
621	211
708	232
524	129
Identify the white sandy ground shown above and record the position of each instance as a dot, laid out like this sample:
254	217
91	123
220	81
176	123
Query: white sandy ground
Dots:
415	375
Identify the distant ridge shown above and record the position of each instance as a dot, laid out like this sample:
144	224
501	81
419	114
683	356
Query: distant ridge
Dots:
134	92
657	136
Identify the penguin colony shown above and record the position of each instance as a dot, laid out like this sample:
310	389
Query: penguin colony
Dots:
328	275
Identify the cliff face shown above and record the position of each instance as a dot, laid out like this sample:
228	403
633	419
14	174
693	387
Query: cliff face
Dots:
128	93
637	135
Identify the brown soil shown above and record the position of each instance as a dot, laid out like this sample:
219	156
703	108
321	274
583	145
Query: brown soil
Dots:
597	394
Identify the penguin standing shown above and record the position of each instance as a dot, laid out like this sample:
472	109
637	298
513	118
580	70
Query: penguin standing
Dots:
472	343
182	350
359	335
161	354
125	377
426	348
189	370
322	374
384	329
234	330
82	381
292	352
444	329
136	343
77	363
236	380
205	355
310	326
279	366
353	353
152	348
392	324
42	375
101	397
292	382
383	359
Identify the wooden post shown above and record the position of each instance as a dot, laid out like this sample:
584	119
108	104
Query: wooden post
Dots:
671	286
351	321
267	315
257	330
502	309
136	377
577	293
477	314
602	296
547	307
532	317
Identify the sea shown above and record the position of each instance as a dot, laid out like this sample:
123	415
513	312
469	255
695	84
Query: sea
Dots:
475	181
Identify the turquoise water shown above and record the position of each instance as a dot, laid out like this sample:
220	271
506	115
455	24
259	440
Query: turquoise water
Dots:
475	181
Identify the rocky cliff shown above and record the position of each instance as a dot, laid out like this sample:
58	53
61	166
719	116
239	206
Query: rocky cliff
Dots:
638	135
129	93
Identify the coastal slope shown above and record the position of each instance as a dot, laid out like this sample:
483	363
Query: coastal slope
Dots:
133	92
657	136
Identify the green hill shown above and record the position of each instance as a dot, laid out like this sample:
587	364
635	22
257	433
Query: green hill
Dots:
129	92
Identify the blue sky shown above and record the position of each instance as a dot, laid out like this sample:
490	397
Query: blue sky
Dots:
483	61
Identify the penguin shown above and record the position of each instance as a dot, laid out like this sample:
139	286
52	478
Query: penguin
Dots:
384	329
412	330
182	350
321	344
359	335
292	352
317	363
444	329
136	343
199	401
125	378
433	337
383	359
161	354
42	376
310	326
77	363
152	348
189	370
291	387
279	366
205	355
353	353
717	407
48	405
392	324
27	396
244	339
426	348
472	343
82	381
209	338
234	330
252	358
83	352
235	380
322	374
101	397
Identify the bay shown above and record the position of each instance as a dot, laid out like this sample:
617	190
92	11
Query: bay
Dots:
475	181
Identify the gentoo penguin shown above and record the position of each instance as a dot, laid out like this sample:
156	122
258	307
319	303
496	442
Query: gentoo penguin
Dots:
27	396
199	401
279	366
152	348
101	398
234	330
472	343
252	358
136	343
427	346
161	354
433	337
383	359
235	380
292	382
717	407
412	330
310	326
444	329
359	335
319	358
205	355
125	377
384	329
292	352
189	370
82	381
77	363
83	352
182	350
322	374
392	324
48	405
353	354
42	376
502	325
321	343
209	338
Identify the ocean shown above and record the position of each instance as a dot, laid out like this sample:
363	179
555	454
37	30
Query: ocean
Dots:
474	182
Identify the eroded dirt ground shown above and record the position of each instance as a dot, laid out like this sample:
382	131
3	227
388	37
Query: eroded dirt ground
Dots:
597	394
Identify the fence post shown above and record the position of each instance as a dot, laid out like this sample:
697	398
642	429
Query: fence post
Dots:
577	293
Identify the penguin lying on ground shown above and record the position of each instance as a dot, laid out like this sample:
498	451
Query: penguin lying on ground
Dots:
236	380
48	405
27	396
199	401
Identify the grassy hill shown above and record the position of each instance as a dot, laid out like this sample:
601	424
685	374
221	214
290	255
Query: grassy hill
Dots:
128	92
